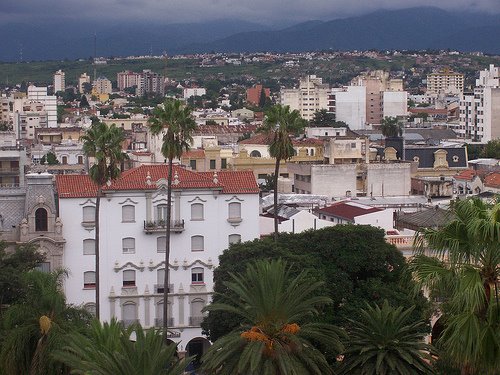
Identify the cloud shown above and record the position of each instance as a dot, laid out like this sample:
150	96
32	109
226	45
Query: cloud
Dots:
173	11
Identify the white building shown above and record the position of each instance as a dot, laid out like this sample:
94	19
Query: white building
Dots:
311	96
194	91
84	78
210	212
39	94
445	81
350	106
480	110
59	81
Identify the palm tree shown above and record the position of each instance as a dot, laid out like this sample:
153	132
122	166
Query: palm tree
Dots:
463	267
177	125
279	125
276	335
391	127
104	144
35	326
386	342
109	349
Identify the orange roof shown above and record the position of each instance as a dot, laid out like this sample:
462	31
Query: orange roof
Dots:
194	154
492	180
80	186
468	175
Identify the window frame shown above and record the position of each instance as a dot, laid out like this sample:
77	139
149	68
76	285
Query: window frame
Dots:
89	285
197	217
128	249
195	276
196	237
87	240
129	283
126	219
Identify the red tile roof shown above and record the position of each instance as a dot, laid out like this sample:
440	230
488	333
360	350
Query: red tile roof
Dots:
194	154
348	210
492	180
80	186
468	175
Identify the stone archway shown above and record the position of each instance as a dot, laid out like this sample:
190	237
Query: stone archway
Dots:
196	348
52	249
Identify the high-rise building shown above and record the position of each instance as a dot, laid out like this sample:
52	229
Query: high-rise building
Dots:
445	81
151	83
39	94
128	79
311	96
103	85
59	81
84	78
480	110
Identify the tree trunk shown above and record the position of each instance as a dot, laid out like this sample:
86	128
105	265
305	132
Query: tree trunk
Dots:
167	251
97	261
276	175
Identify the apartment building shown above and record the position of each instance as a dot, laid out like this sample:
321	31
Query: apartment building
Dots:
479	114
445	81
39	94
127	79
102	85
59	81
84	78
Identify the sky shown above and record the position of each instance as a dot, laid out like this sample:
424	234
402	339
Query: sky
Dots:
175	11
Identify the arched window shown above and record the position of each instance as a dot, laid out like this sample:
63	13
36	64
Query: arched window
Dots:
129	278
197	275
234	214
64	160
41	220
80	159
159	314
129	313
196	315
197	243
89	246
234	238
128	213
255	154
128	245
89	279
90	307
88	214
197	211
161	243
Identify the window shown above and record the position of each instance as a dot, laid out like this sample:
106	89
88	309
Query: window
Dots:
197	243
80	159
88	214
234	212
255	154
234	238
212	163
64	160
128	213
128	278
161	212
196	317
41	220
161	244
223	163
89	246
43	267
197	275
90	307
160	281
89	279
128	245
197	211
129	313
192	164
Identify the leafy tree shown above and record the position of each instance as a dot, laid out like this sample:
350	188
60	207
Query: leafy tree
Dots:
323	118
474	151
104	144
386	341
268	184
391	127
34	327
13	265
84	103
108	349
463	269
5	126
87	87
355	263
276	335
50	158
492	149
279	125
177	125
60	113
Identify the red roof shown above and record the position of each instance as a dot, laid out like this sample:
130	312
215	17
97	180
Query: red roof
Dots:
81	186
468	175
194	154
492	180
348	210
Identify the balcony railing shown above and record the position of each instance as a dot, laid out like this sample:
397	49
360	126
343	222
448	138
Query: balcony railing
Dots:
159	322
159	288
176	226
128	323
195	320
14	170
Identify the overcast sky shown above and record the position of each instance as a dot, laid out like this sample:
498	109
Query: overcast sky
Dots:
172	11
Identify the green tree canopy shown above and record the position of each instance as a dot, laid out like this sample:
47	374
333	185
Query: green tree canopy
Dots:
50	158
391	127
492	149
323	118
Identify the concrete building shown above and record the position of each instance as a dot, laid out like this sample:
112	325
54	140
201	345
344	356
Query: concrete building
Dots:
39	94
13	161
210	211
254	94
193	91
102	85
30	117
445	81
151	83
128	79
84	78
480	110
59	81
311	96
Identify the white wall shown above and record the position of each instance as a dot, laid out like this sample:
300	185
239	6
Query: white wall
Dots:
350	106
333	180
395	103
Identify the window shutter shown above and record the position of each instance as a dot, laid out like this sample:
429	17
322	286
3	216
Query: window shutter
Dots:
128	213
196	211
128	245
89	246
88	214
234	210
197	243
161	243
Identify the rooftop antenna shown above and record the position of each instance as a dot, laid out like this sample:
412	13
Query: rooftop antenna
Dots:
95	55
20	52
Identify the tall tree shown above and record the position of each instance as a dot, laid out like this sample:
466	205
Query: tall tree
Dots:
277	335
391	127
280	124
36	324
104	144
386	341
323	118
463	268
108	349
176	124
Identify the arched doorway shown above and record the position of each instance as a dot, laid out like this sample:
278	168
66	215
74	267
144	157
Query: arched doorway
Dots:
196	348
41	221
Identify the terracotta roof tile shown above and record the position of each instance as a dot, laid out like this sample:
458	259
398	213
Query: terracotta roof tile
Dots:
80	186
492	180
194	154
348	210
468	175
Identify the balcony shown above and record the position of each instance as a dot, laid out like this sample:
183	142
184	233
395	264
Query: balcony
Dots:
195	320
159	322
176	226
159	288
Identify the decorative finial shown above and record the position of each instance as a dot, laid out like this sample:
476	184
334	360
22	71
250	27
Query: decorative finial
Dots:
215	179
176	179
148	179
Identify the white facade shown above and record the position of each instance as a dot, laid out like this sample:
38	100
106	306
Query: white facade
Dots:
208	214
195	91
395	103
350	107
445	81
59	81
39	94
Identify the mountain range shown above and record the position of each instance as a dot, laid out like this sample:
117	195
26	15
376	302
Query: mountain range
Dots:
409	29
